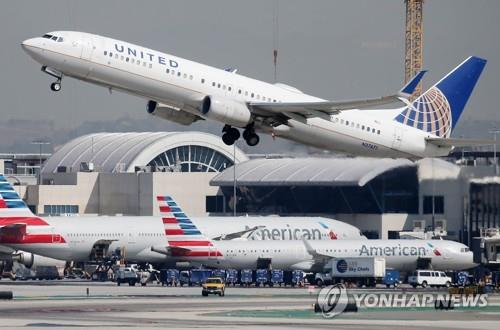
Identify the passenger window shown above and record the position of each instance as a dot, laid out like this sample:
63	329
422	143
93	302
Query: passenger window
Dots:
218	85
378	132
185	76
251	95
202	80
367	128
173	72
224	87
347	122
150	65
105	53
239	91
167	70
178	74
229	88
246	93
127	59
190	77
363	127
373	130
213	84
110	54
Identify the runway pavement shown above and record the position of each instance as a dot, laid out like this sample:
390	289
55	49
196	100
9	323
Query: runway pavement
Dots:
61	304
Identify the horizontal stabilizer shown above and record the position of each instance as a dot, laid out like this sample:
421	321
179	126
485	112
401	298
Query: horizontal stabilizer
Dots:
452	142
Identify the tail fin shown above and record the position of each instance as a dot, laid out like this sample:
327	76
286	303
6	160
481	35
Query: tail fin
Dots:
183	236
10	203
438	110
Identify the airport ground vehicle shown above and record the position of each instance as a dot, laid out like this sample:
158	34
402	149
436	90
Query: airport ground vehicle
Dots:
169	277
391	278
199	276
427	278
126	275
362	271
232	277
246	277
213	285
277	277
262	277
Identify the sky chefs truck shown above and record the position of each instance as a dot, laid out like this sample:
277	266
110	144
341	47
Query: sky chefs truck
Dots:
361	271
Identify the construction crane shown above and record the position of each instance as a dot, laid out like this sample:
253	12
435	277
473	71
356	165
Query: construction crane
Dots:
413	41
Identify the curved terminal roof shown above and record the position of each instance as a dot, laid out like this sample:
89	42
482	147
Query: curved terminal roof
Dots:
308	171
123	152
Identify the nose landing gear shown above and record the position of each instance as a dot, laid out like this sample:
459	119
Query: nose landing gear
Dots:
232	134
55	86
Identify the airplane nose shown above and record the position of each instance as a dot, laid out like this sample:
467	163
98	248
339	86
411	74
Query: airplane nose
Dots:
29	44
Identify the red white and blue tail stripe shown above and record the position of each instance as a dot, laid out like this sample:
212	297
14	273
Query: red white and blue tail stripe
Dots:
184	238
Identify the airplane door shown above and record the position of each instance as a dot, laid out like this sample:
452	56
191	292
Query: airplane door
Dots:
56	238
212	252
87	49
398	137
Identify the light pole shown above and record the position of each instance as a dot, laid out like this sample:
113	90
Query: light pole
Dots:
495	132
40	144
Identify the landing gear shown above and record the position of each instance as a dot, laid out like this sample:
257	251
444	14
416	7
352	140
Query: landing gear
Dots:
55	86
250	137
230	135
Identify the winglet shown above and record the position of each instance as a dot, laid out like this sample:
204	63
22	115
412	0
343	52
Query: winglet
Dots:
411	85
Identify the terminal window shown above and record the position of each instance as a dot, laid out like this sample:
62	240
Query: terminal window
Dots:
438	204
60	209
215	204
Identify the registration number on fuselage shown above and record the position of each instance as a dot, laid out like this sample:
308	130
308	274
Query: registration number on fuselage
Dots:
369	146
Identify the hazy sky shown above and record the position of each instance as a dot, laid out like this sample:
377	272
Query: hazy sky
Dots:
331	49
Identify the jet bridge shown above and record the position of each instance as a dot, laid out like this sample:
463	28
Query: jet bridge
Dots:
486	248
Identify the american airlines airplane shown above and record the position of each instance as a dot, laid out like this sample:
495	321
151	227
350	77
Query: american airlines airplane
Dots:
184	91
308	255
143	239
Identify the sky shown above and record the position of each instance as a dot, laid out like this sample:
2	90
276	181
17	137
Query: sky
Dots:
331	49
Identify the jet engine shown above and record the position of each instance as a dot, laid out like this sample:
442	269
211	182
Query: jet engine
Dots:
25	258
170	113
226	111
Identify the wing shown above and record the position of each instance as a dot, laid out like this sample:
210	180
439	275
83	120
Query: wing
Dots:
452	142
326	108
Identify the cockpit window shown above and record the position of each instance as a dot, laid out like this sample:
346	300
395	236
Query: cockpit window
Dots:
53	37
463	250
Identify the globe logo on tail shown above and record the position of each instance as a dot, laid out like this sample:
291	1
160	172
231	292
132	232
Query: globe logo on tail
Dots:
431	113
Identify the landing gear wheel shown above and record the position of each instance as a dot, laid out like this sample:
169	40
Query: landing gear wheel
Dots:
227	139
230	135
253	139
55	86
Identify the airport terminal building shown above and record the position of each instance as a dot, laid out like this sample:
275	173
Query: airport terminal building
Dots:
122	173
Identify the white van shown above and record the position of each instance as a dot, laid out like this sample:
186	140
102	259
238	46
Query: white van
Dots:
429	277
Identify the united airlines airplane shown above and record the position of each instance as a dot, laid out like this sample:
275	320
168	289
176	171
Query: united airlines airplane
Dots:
144	239
184	91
